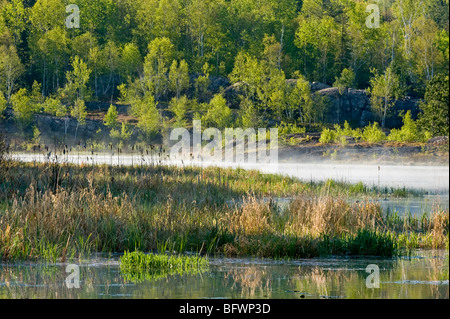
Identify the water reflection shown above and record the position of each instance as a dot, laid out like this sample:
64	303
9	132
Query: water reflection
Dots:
424	275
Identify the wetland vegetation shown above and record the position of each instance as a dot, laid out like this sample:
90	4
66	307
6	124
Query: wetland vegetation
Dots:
56	211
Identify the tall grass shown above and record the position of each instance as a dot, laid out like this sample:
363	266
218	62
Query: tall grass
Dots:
60	212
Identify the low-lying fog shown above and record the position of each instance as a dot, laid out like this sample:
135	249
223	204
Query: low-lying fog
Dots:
434	179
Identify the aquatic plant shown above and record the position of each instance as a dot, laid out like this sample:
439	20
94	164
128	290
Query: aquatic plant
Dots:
57	211
138	266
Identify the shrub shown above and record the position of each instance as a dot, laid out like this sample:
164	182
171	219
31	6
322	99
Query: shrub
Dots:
434	117
290	128
409	132
373	134
327	136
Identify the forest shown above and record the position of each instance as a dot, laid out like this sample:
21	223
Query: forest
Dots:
161	57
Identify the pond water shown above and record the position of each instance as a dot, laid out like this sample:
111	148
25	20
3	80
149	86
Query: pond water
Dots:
423	275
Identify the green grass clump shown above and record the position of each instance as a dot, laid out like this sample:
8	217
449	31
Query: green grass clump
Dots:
372	243
139	266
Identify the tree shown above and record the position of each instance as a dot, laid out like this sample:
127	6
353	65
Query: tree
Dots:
77	79
79	112
300	99
426	54
248	71
179	107
130	61
316	37
149	119
434	117
53	106
3	103
156	66
110	119
178	77
109	62
219	114
144	109
49	43
202	83
11	69
383	89
124	134
248	114
343	82
23	109
14	15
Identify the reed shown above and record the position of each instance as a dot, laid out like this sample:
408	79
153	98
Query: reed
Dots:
138	266
58	211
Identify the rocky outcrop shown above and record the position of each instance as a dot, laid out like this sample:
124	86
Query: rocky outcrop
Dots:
354	106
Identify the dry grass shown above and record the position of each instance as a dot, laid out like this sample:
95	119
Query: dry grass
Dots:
67	211
331	216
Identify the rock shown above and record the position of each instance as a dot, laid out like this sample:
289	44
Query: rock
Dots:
438	140
232	93
354	106
218	82
317	86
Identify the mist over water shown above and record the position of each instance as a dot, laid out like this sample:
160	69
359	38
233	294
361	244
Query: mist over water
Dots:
432	179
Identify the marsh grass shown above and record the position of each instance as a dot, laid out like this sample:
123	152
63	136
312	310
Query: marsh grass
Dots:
138	266
63	212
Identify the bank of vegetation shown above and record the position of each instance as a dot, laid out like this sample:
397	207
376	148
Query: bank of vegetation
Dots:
62	212
165	59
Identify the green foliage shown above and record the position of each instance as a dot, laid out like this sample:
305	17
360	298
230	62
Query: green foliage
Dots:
345	81
110	119
79	112
434	117
179	108
148	116
290	128
11	68
53	106
383	89
248	114
409	132
156	65
36	135
3	104
77	79
178	77
327	136
339	134
219	115
202	83
153	48
22	107
130	61
138	266
123	135
373	134
371	243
